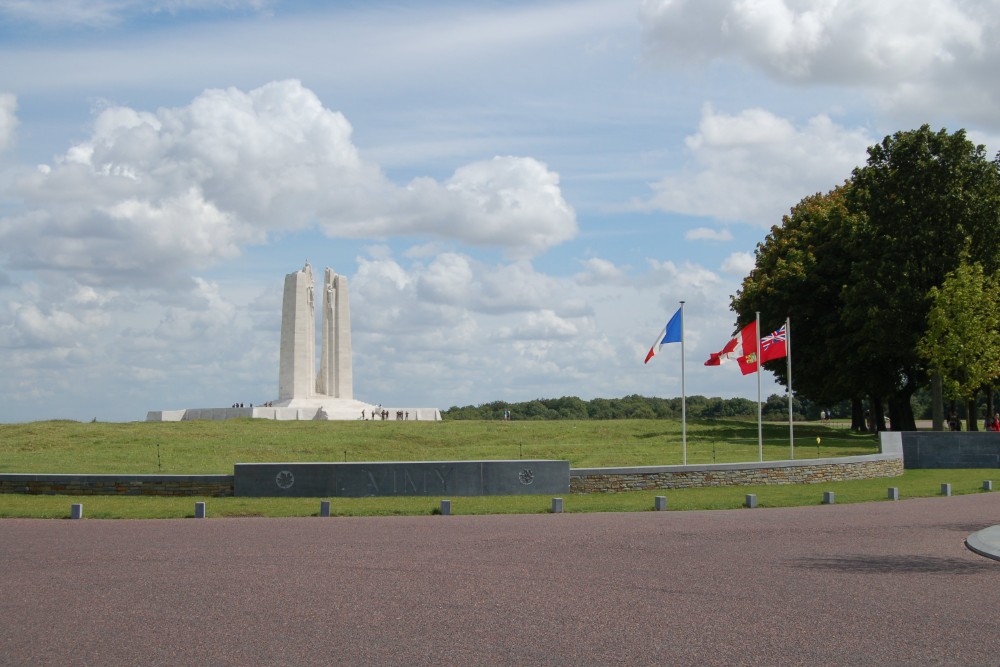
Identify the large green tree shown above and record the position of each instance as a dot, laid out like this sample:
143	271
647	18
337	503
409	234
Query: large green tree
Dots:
962	341
801	269
853	268
923	197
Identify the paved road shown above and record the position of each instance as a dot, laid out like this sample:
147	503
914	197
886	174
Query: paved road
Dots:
887	583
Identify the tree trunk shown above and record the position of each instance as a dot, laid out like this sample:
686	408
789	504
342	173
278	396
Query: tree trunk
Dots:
972	423
857	415
876	415
901	413
937	403
989	401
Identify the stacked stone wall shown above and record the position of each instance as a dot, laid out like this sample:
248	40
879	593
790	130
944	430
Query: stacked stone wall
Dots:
613	480
581	480
118	485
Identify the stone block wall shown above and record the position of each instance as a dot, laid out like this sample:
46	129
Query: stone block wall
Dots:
612	480
118	485
951	449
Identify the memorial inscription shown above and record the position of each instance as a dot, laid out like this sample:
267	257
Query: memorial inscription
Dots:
396	482
420	478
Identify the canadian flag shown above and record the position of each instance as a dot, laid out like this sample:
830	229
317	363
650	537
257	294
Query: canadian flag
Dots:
742	348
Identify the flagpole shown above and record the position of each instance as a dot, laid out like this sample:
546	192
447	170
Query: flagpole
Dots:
760	423
684	441
788	359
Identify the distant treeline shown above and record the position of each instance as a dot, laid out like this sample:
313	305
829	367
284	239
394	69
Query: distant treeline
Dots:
635	407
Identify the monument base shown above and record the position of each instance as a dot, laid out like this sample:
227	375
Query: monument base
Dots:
301	409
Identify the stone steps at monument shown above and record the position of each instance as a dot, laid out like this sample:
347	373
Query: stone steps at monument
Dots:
294	413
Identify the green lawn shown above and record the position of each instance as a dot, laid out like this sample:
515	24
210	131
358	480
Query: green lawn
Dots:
212	447
914	483
204	447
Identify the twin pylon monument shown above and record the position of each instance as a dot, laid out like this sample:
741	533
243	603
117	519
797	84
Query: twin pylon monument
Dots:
305	392
297	376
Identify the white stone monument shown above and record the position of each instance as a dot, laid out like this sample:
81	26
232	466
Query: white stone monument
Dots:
297	361
304	392
335	377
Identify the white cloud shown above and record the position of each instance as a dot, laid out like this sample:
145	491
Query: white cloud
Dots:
541	325
8	120
449	280
536	343
753	166
50	325
598	271
926	54
822	40
151	195
689	278
739	263
511	203
707	234
208	318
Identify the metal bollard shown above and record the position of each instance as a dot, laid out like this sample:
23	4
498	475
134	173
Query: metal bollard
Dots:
445	507
829	497
557	505
324	508
660	503
893	493
946	489
751	500
199	510
76	511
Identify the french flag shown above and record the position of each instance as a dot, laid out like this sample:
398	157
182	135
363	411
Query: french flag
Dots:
672	333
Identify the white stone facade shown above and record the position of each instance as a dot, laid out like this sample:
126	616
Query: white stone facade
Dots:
297	360
335	376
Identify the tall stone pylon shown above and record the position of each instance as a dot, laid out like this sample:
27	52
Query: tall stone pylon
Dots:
297	358
335	377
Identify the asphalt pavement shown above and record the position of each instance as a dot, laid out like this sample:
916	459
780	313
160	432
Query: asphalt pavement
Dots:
889	583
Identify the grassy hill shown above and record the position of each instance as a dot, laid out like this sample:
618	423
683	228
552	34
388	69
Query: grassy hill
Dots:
213	447
207	447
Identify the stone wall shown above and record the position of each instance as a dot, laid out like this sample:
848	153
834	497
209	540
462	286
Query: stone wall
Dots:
118	485
402	478
809	471
951	449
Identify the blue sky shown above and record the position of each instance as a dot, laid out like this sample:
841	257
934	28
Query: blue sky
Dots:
519	193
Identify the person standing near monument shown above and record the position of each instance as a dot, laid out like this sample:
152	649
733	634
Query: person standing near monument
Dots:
992	423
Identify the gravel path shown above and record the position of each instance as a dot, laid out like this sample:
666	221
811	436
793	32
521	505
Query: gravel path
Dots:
887	583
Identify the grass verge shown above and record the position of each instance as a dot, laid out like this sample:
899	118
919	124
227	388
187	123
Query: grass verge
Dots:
912	484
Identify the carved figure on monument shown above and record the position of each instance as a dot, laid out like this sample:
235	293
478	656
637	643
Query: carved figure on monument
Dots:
335	376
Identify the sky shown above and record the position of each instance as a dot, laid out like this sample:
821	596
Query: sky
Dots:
519	193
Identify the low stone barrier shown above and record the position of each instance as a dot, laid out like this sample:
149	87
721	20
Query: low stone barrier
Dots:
888	463
807	471
118	485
